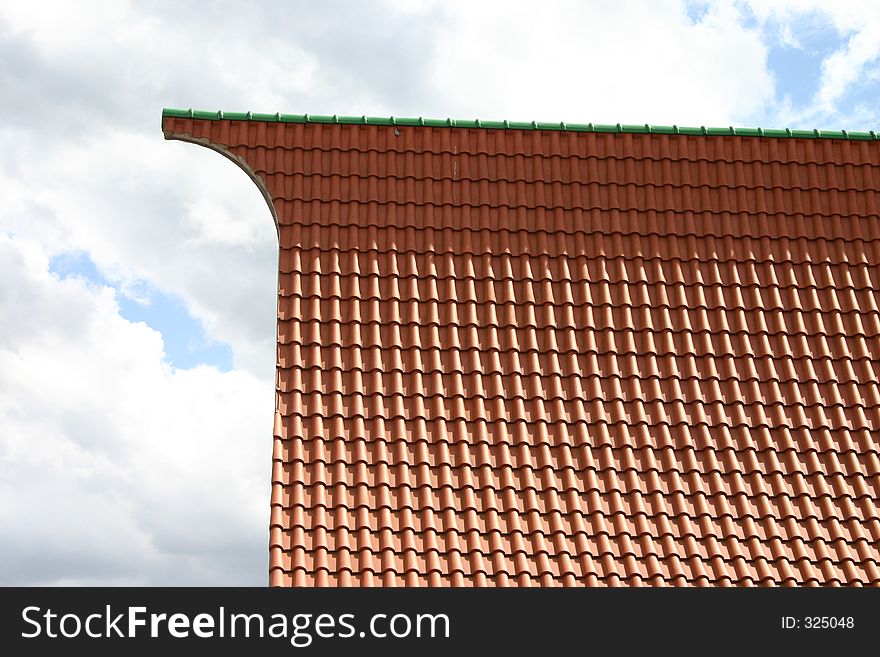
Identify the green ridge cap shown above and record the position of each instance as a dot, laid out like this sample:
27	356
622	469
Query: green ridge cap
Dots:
521	125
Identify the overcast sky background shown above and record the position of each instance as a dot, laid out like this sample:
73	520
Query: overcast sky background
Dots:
138	276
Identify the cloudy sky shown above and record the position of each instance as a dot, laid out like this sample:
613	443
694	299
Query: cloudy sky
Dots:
137	276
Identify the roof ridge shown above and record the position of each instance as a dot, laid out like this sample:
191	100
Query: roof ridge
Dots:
562	126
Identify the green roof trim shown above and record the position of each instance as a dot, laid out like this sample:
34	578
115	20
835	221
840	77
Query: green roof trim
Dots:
521	125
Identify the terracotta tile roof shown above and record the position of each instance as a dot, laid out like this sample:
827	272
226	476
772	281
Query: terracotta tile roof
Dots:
560	357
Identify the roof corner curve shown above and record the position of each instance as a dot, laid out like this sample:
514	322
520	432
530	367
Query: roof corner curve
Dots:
238	160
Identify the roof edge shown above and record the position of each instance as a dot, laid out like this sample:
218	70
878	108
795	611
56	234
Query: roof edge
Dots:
278	117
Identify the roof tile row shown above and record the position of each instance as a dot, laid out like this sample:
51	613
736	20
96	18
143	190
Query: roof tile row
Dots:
249	137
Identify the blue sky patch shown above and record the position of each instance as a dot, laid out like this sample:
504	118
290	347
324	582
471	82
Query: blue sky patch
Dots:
696	10
798	67
186	343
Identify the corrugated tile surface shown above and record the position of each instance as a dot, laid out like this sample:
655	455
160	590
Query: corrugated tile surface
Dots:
531	358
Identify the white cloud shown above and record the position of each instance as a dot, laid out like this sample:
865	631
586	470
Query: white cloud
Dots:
844	67
215	224
602	62
114	466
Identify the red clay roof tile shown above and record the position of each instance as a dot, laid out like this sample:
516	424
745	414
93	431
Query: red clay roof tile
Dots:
542	358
